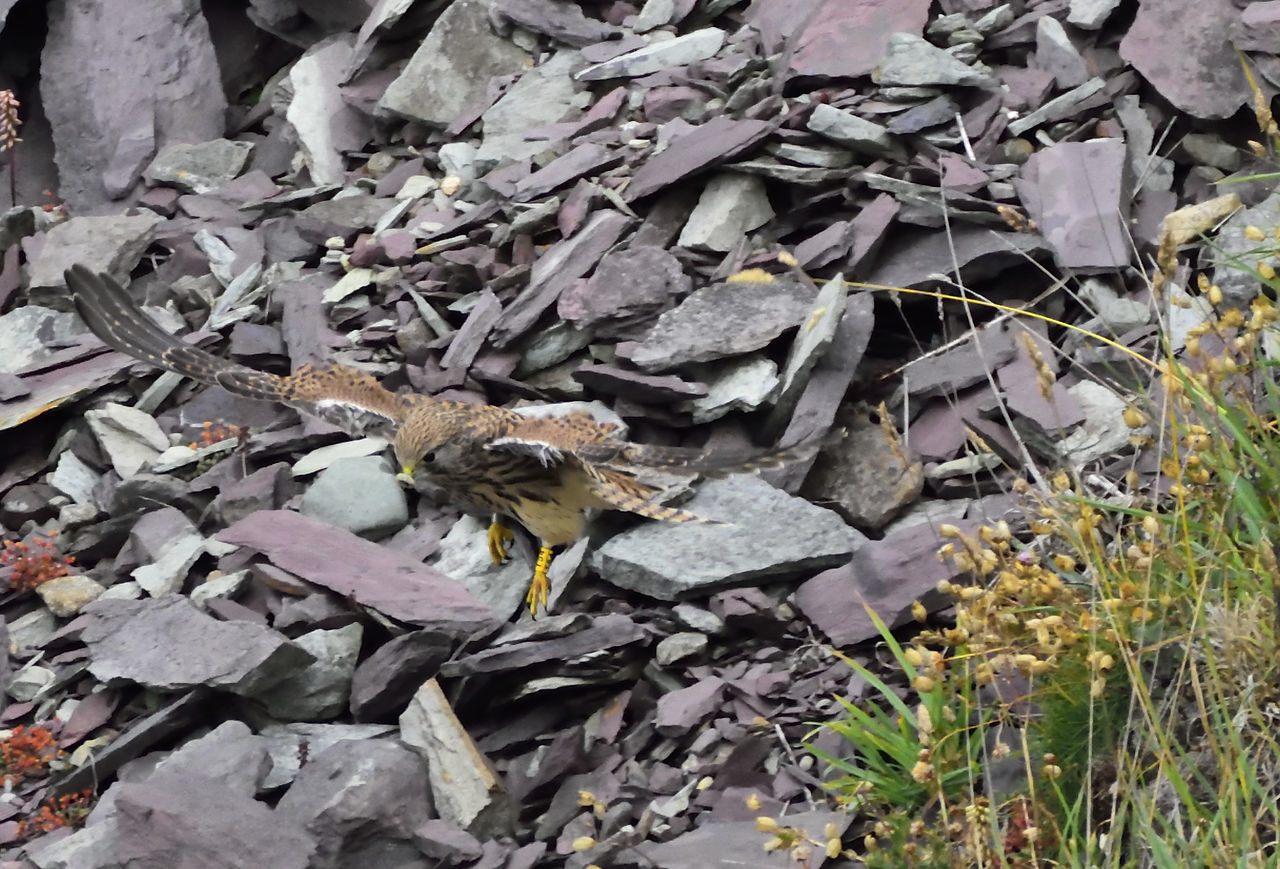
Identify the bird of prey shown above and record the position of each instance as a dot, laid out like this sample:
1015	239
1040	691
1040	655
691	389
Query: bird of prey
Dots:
545	473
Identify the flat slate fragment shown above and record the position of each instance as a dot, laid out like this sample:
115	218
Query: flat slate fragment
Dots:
372	575
718	140
725	319
194	648
773	536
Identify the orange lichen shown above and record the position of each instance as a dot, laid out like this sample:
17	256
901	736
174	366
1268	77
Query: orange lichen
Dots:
65	811
212	433
35	562
27	751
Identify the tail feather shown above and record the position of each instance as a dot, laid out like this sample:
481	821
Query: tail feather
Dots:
722	464
621	492
112	315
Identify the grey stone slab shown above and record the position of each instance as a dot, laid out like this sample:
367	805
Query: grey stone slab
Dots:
726	319
450	71
194	648
770	536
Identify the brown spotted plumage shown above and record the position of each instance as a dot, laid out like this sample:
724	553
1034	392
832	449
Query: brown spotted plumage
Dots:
544	472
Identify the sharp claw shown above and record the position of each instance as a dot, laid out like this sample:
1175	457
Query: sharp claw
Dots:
541	585
499	537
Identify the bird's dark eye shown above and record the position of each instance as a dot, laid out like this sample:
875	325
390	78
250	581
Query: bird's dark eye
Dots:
428	457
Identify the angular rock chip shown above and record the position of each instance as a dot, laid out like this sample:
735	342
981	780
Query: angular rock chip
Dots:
167	644
372	575
1184	50
383	683
160	84
731	205
290	744
199	168
321	689
1078	195
726	319
658	55
888	575
718	140
203	819
450	70
360	495
771	536
844	40
360	800
466	790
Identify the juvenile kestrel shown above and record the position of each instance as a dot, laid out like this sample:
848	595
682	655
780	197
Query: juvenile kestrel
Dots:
545	473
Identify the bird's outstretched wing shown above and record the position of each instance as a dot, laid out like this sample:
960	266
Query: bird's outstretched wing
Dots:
349	399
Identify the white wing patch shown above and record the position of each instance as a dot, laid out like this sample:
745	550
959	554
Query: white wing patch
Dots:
544	452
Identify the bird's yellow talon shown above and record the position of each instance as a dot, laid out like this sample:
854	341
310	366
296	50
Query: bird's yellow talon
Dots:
499	536
540	585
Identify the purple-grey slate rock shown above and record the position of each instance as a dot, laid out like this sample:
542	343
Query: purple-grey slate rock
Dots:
682	710
1231	244
199	168
292	745
160	727
467	341
626	286
609	631
167	644
265	489
383	682
965	363
1183	48
726	319
359	494
657	56
372	575
451	68
558	267
155	82
738	843
230	753
913	259
111	243
203	821
816	410
888	575
720	139
586	159
611	380
342	216
1078	194
447	843
558	19
771	536
1258	28
909	60
320	690
1020	382
360	800
865	477
846	40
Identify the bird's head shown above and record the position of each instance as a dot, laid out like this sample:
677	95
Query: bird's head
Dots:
432	440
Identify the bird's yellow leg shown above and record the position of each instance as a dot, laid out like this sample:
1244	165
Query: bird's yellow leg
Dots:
540	585
499	536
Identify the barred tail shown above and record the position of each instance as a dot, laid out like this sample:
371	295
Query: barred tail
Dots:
620	492
112	315
726	464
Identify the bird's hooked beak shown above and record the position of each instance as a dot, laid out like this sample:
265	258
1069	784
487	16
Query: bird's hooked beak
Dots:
405	476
